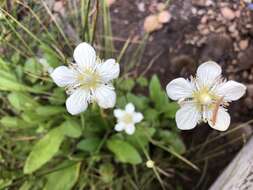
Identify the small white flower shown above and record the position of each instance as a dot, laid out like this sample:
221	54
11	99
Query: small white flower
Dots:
127	119
88	80
204	98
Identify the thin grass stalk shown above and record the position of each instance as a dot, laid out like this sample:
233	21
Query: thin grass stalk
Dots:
56	24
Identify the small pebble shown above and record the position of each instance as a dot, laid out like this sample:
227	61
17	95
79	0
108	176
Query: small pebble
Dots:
228	13
244	44
164	17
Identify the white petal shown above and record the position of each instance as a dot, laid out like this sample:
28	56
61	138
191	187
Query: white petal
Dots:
137	117
130	129
118	113
108	70
63	76
187	117
105	96
231	90
85	55
129	108
222	120
179	88
77	102
119	127
208	72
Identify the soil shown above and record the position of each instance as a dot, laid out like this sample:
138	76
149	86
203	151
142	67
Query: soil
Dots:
200	30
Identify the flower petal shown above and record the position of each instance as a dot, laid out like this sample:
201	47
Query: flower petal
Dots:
231	90
85	55
108	70
118	113
207	73
63	76
105	96
129	108
187	117
77	102
137	117
222	121
179	88
119	127
130	129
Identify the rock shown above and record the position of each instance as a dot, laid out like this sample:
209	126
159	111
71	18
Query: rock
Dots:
249	102
59	7
244	44
201	12
151	23
183	64
238	13
232	28
228	13
164	17
141	7
204	19
250	90
200	3
209	3
245	59
160	7
205	31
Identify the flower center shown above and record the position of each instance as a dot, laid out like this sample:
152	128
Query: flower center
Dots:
89	79
127	118
203	97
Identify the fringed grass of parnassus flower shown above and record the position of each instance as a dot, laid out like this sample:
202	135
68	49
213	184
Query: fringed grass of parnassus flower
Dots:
127	119
88	80
204	98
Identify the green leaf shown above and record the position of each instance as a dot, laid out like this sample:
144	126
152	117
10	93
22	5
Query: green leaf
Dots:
141	136
121	101
26	185
50	55
58	96
106	172
22	101
32	117
71	128
44	150
33	67
142	81
68	177
141	102
127	84
151	115
171	109
89	144
13	122
125	152
8	82
158	95
173	140
49	110
4	183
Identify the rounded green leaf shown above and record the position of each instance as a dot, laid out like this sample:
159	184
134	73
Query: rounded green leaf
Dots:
124	151
63	179
44	150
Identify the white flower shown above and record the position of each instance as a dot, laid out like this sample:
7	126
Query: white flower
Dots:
88	80
127	119
204	98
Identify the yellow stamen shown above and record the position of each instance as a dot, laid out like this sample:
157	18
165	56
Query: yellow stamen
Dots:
127	118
